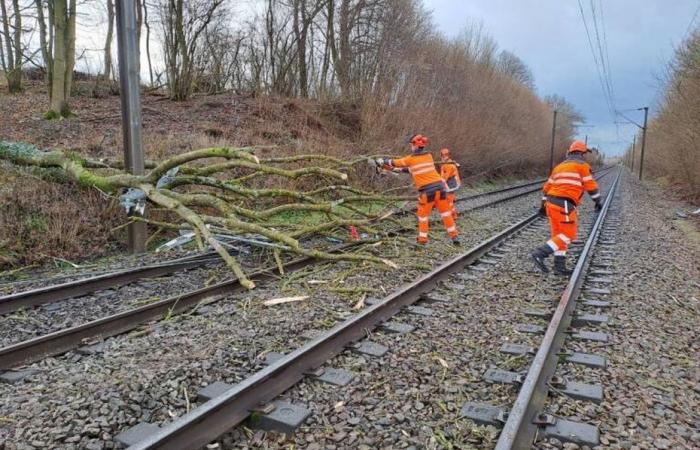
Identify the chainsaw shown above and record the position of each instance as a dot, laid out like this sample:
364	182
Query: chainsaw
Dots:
381	168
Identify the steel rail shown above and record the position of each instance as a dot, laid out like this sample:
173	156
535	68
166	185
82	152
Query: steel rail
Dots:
205	423
61	341
83	286
520	429
57	292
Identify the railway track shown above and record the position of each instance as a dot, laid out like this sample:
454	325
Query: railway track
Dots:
86	285
91	333
234	403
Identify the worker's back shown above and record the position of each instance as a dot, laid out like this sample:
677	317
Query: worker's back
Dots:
422	168
570	179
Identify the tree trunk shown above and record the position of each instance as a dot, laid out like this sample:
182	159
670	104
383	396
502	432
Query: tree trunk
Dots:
330	36
14	78
64	14
344	56
57	91
7	66
12	63
148	41
43	42
70	55
108	40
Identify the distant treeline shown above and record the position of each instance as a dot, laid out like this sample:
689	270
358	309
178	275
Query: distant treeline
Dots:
672	152
384	56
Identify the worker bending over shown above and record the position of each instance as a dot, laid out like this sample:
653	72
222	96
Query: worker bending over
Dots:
449	171
562	194
431	187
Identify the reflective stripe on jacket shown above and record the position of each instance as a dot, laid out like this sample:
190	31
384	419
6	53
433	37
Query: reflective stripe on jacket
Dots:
450	173
571	179
421	166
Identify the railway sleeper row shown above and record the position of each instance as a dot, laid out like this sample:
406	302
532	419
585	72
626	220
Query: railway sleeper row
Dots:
588	323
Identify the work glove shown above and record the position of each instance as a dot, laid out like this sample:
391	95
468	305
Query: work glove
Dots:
598	206
543	211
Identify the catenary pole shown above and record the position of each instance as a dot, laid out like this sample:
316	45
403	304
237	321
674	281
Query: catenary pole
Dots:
634	144
129	82
644	141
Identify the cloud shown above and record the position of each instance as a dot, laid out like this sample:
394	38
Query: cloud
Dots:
550	37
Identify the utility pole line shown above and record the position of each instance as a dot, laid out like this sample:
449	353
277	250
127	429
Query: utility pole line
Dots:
131	106
644	141
551	149
634	144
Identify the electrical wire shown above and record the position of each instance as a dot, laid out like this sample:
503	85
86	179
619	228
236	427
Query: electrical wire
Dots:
595	59
606	48
602	52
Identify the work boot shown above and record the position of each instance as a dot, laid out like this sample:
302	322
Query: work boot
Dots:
539	255
456	242
560	266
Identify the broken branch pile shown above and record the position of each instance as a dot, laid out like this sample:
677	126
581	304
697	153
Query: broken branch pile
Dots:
214	191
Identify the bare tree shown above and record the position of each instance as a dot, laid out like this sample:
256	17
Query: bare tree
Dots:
46	33
509	64
12	57
108	40
147	24
303	19
63	61
183	26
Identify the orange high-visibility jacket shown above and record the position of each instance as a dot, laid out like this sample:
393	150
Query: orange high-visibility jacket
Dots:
570	179
421	166
449	171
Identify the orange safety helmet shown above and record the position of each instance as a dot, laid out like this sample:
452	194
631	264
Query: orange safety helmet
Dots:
419	140
445	152
578	146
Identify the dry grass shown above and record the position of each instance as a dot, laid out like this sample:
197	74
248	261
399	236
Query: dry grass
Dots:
42	219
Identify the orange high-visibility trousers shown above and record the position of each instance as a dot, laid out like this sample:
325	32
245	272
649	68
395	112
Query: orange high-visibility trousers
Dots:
563	226
425	207
451	196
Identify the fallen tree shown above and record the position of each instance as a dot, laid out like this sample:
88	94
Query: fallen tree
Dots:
213	190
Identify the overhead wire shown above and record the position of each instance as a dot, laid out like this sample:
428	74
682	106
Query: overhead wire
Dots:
595	58
607	53
602	51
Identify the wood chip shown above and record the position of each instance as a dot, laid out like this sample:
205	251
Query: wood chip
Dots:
360	304
278	301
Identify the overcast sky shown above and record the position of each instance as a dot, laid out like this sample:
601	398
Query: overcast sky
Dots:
550	37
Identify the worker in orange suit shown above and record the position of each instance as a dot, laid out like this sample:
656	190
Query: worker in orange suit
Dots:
432	191
449	171
562	194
